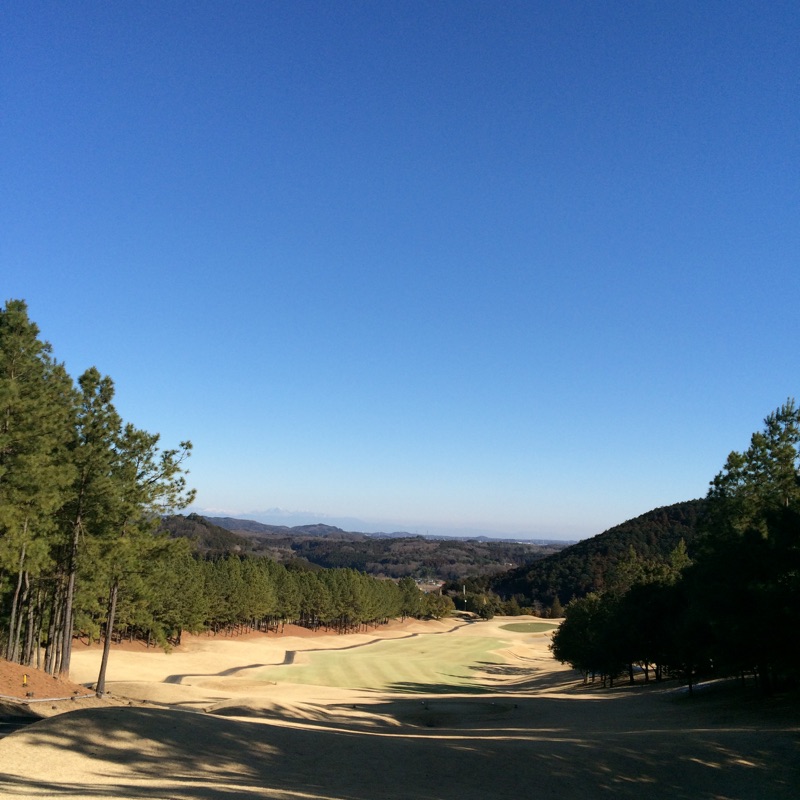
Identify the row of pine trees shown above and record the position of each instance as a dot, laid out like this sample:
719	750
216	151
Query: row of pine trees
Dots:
236	594
731	610
81	496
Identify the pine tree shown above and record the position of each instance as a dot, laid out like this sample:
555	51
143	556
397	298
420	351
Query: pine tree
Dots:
148	483
90	504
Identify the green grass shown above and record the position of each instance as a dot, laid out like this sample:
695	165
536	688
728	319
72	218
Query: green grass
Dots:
400	664
529	627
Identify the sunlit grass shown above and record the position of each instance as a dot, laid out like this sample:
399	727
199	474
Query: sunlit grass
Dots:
423	660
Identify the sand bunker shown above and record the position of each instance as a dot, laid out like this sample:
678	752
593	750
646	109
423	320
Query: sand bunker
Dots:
425	710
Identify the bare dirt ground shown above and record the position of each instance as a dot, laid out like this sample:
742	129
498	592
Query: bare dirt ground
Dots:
433	711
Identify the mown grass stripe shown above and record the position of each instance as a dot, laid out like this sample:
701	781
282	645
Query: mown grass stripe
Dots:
445	661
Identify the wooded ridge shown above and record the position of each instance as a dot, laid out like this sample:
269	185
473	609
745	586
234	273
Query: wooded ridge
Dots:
591	565
387	557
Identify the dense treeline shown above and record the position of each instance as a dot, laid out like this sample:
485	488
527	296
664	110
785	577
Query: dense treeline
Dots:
243	593
82	495
732	610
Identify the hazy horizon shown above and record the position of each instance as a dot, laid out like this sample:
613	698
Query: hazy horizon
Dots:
279	516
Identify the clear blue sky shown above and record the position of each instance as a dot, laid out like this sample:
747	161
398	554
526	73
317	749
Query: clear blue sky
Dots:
521	267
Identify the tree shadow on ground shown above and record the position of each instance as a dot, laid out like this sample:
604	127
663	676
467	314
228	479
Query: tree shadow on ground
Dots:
409	687
615	747
525	678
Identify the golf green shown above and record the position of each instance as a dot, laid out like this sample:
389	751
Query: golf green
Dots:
529	627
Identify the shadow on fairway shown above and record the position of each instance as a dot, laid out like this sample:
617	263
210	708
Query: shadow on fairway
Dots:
408	687
453	747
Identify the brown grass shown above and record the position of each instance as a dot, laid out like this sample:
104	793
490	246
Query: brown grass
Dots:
532	731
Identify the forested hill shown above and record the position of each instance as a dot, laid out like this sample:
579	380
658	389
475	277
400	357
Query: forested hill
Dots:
228	535
585	566
204	535
329	547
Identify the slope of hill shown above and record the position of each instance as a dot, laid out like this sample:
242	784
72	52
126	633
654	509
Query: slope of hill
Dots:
252	528
204	535
583	567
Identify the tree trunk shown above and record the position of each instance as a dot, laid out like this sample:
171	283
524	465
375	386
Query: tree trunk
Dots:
17	632
30	634
67	624
49	650
39	628
54	643
12	620
112	610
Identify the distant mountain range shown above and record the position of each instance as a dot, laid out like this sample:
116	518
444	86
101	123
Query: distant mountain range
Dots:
320	529
280	517
388	555
252	526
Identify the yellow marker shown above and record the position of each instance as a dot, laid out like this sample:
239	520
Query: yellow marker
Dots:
25	679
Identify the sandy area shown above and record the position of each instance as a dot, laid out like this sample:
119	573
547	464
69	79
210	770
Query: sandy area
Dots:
433	710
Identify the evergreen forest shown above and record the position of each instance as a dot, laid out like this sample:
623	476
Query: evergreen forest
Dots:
593	564
731	607
82	550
